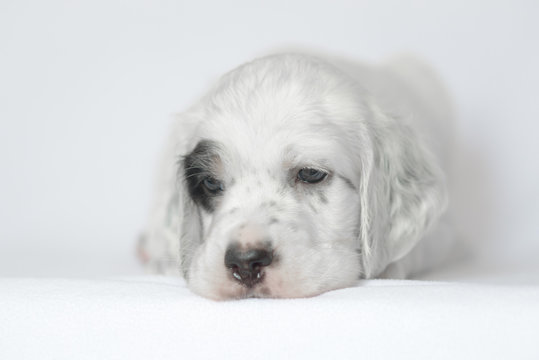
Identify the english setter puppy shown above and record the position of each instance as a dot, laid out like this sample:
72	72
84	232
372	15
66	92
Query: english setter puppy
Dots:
296	175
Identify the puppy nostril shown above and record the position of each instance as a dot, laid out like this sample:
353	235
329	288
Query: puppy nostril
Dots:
246	266
257	258
237	275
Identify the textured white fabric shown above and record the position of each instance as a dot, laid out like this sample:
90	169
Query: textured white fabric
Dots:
158	318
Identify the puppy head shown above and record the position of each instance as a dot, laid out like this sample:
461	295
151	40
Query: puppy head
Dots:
289	189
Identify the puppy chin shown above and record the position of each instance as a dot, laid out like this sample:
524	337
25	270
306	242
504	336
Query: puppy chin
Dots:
231	290
225	290
274	285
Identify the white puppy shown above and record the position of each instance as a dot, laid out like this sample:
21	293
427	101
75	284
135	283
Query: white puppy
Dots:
296	175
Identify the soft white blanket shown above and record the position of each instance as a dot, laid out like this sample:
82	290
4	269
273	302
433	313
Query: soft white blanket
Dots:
158	318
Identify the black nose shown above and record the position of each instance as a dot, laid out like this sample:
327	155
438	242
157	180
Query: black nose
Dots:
246	266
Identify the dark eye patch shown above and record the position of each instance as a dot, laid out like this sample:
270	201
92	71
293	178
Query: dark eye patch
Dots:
199	174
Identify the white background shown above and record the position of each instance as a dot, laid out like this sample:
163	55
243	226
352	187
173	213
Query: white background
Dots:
87	90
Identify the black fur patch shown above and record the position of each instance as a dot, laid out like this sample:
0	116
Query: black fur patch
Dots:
197	166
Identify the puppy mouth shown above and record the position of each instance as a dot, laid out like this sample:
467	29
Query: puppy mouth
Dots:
252	285
247	278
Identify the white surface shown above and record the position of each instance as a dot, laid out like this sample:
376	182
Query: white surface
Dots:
158	318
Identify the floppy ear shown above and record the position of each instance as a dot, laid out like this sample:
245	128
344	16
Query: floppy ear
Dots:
173	216
402	192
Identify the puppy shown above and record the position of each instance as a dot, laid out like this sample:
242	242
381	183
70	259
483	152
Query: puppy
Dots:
296	175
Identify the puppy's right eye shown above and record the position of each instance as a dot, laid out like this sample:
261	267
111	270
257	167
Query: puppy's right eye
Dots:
212	185
311	176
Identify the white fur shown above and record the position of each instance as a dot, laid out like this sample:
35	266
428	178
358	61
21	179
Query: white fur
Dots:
376	130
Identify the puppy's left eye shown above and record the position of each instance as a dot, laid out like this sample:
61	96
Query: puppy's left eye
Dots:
212	185
311	176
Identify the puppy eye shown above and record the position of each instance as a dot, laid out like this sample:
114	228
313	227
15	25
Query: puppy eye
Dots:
311	176
212	185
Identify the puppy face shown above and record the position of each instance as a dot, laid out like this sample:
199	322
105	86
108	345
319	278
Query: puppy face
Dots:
293	183
281	196
275	174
